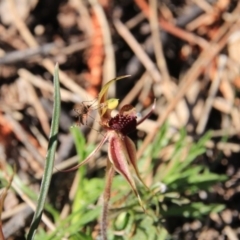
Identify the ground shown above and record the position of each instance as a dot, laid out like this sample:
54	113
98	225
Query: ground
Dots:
184	54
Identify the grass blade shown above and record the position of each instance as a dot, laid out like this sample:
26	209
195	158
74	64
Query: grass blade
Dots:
52	144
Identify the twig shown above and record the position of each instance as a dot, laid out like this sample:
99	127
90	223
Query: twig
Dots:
158	49
20	55
43	85
203	60
222	105
224	146
41	139
135	90
66	208
13	211
212	93
22	136
48	48
40	111
135	20
138	50
205	6
46	63
30	203
182	34
109	65
174	30
85	19
156	38
21	26
66	164
230	233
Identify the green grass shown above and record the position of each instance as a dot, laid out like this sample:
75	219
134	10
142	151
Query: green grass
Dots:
180	176
176	182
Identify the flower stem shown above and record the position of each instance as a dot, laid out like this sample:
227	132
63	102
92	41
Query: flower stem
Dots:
106	196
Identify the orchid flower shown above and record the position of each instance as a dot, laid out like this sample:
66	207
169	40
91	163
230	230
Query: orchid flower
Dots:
121	149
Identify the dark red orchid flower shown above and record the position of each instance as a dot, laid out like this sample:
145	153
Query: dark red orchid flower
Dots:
121	149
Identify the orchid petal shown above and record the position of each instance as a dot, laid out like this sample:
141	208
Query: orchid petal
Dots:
103	94
89	156
118	155
151	111
131	149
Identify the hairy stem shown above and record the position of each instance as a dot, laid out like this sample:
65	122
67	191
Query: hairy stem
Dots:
106	197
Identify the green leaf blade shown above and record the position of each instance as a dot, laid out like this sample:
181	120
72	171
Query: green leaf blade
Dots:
52	144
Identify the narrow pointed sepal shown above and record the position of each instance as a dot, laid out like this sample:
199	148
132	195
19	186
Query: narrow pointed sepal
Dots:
86	160
119	157
132	153
104	112
149	114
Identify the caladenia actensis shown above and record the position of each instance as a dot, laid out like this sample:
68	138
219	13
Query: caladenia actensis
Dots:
121	149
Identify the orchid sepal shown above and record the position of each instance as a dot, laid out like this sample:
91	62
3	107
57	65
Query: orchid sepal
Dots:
149	114
132	152
119	157
103	96
86	160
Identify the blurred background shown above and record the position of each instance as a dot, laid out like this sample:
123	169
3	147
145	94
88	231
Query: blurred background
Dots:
184	54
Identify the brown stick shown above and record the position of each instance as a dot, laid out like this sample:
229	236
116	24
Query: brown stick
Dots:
202	62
